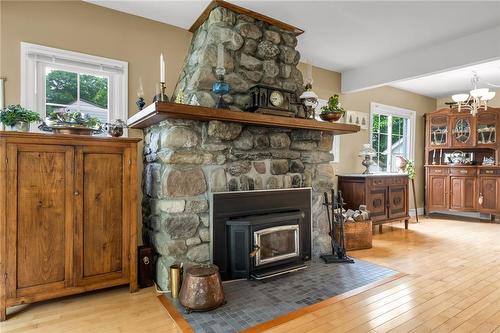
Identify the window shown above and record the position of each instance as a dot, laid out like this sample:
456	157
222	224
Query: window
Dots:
54	79
336	138
392	134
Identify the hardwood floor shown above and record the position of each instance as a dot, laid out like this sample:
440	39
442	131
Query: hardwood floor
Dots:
453	286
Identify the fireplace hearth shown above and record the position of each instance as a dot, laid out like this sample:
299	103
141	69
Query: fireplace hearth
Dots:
260	234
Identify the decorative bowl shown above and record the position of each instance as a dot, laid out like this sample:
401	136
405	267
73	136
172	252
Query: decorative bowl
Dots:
67	128
331	117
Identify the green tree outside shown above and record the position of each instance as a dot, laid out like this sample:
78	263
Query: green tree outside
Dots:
61	88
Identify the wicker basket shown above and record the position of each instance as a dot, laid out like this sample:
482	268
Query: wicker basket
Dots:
358	235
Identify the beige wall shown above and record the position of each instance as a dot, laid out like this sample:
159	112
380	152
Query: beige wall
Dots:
494	102
327	83
86	28
90	29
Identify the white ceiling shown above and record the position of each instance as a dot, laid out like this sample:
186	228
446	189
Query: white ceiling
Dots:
346	35
454	81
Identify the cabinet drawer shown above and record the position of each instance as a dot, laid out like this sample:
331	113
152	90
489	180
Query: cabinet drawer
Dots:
401	180
463	171
438	171
377	181
489	172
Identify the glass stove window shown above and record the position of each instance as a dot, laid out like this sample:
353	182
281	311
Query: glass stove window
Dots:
277	243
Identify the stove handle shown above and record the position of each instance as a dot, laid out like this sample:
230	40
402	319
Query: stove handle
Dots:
256	249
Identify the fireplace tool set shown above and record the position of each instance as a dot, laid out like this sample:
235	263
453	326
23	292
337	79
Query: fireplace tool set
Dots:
336	219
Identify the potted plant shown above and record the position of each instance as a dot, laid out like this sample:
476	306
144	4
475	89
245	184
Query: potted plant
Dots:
17	118
332	111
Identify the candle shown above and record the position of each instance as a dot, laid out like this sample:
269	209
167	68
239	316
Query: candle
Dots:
309	75
434	156
140	90
162	68
220	56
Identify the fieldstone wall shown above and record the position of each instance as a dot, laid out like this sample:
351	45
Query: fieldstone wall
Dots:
186	161
255	52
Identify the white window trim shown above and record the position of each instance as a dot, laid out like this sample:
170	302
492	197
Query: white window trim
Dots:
35	57
336	138
395	111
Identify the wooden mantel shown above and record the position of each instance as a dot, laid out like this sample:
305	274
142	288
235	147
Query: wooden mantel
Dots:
159	111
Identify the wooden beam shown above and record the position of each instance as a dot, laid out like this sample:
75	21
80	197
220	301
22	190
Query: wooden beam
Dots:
240	10
159	111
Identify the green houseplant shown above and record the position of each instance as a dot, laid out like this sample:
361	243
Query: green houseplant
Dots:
17	118
332	111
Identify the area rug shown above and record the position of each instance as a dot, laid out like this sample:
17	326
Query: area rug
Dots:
250	303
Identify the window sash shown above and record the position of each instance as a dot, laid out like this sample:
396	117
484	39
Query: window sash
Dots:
44	102
34	59
408	130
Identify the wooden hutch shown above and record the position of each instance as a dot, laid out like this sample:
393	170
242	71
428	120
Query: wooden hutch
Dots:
462	170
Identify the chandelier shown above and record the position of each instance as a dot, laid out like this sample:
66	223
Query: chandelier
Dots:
475	100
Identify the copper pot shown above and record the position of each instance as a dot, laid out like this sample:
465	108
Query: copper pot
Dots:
332	116
201	289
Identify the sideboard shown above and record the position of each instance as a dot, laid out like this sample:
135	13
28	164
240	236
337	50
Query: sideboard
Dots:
462	171
385	195
68	215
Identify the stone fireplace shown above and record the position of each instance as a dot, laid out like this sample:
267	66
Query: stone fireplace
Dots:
186	161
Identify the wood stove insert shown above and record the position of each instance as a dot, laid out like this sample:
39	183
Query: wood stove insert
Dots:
259	234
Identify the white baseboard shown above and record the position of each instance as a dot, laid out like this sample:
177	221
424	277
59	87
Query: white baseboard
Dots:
420	211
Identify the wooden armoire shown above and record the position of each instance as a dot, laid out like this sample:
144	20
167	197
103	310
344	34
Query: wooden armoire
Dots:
68	215
462	170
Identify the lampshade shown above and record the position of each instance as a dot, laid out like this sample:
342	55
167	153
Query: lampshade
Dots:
488	96
367	150
308	94
460	97
479	92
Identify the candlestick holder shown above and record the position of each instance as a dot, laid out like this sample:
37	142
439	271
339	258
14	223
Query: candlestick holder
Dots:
161	97
221	88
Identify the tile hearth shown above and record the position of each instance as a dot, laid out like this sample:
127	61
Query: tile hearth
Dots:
250	303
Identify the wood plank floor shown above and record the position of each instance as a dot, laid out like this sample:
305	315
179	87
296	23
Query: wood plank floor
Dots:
453	286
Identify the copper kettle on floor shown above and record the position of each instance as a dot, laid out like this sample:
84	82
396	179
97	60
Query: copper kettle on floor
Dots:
201	288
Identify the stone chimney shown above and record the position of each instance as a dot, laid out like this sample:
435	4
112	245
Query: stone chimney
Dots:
186	161
255	52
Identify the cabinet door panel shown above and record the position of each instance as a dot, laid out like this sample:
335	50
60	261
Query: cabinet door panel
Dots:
463	193
469	191
488	189
456	184
103	178
377	203
39	205
438	192
398	201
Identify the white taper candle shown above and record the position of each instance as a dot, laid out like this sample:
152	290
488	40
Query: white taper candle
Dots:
162	68
220	55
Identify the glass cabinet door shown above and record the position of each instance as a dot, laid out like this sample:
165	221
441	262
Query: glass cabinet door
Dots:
438	131
462	133
486	129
